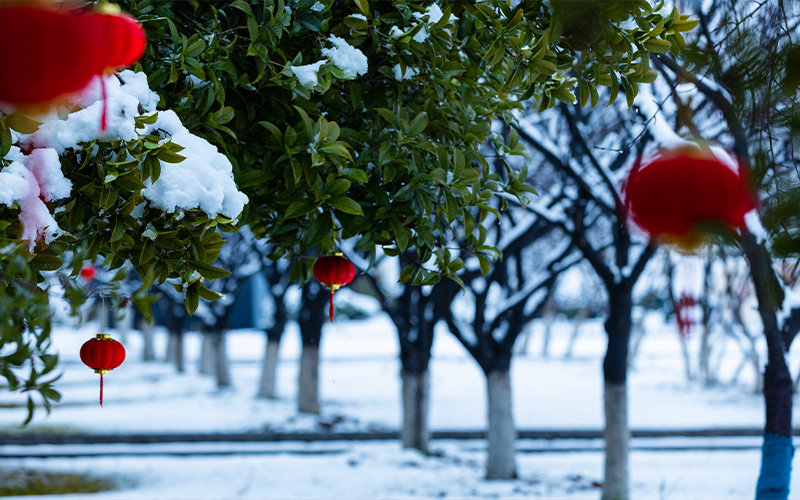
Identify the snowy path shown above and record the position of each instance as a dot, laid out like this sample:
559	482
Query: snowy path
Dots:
369	470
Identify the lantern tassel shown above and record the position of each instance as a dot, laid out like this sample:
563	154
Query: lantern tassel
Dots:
104	114
101	390
330	309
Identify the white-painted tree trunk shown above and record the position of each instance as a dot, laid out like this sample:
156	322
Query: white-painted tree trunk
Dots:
223	370
687	360
502	435
549	319
308	381
617	434
416	395
146	328
175	351
207	357
269	371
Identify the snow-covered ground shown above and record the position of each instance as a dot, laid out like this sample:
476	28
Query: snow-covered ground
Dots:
360	391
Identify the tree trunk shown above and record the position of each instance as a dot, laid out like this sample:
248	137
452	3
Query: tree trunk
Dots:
308	381
615	484
221	364
207	357
615	394
777	449
687	360
705	355
175	350
549	318
147	337
269	370
416	391
502	435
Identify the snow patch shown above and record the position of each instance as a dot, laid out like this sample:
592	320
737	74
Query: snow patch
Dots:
401	75
307	74
347	58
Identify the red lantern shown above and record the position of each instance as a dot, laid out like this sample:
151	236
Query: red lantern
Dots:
88	272
102	354
683	315
673	196
334	271
124	38
55	52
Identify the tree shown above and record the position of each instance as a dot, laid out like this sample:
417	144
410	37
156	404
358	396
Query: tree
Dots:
73	194
583	201
388	150
415	311
310	320
241	255
741	65
277	275
495	311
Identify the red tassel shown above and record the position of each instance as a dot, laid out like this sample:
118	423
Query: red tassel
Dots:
104	115
101	390
330	309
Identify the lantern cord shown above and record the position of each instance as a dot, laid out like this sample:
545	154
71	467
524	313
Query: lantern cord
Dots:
102	318
101	390
330	309
104	115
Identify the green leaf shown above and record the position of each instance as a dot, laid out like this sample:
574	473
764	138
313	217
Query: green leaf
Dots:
191	299
346	205
208	271
418	124
657	46
22	124
5	138
224	115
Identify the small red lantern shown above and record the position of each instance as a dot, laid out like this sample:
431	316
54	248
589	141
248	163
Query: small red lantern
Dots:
88	272
673	196
683	314
102	354
334	271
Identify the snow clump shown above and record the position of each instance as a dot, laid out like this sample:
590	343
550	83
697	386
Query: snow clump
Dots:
203	180
347	58
307	74
401	75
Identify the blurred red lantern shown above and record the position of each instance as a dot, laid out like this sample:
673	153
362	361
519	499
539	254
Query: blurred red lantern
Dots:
674	196
55	52
58	50
334	271
88	272
683	314
102	354
124	38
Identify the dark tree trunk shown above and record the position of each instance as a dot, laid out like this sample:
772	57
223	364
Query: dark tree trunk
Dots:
312	318
615	368
221	363
777	449
414	316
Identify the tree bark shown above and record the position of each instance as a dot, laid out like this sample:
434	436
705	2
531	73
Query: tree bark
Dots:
269	370
502	435
416	391
207	357
308	380
615	484
146	328
615	394
221	363
175	351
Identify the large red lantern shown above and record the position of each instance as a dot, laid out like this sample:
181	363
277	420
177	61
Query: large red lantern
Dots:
680	193
58	50
102	354
334	271
55	52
